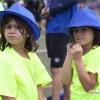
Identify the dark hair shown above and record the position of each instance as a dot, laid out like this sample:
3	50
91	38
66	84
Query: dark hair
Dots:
96	41
30	44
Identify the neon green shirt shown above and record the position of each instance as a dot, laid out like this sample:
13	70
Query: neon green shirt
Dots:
91	62
19	76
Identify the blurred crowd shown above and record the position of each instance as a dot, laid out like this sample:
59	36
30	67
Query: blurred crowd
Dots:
90	5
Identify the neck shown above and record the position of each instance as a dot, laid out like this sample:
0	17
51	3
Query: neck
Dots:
21	51
18	48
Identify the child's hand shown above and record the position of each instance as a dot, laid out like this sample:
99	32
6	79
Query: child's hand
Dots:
77	52
69	47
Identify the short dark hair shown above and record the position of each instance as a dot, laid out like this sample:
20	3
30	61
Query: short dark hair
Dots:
30	44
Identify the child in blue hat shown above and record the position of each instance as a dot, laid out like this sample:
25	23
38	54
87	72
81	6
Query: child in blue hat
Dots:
81	68
22	74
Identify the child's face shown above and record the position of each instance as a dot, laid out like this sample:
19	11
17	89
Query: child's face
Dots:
13	34
83	35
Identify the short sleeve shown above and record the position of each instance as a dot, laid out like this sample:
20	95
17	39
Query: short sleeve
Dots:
8	86
94	64
41	75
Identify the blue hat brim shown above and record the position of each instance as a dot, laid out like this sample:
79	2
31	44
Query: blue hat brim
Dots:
32	25
67	32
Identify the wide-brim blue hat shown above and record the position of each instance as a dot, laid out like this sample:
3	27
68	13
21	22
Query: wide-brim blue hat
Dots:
26	15
83	17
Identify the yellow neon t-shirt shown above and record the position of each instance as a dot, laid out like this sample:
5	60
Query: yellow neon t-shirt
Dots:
91	62
19	76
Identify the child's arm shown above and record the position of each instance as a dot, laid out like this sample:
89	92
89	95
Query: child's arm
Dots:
40	93
66	73
87	79
8	98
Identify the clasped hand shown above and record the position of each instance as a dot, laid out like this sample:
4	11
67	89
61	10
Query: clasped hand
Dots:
75	50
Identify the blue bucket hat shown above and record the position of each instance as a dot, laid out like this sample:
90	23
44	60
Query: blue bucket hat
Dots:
83	17
26	15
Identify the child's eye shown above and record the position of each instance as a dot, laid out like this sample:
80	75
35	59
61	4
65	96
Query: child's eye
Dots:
84	29
8	27
75	30
18	27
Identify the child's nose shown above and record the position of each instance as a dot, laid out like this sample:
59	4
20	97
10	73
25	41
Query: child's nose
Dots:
79	32
12	30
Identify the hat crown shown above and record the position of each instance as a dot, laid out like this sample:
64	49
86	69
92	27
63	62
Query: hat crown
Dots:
85	17
22	10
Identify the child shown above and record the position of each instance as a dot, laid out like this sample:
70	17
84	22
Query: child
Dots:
22	74
81	68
